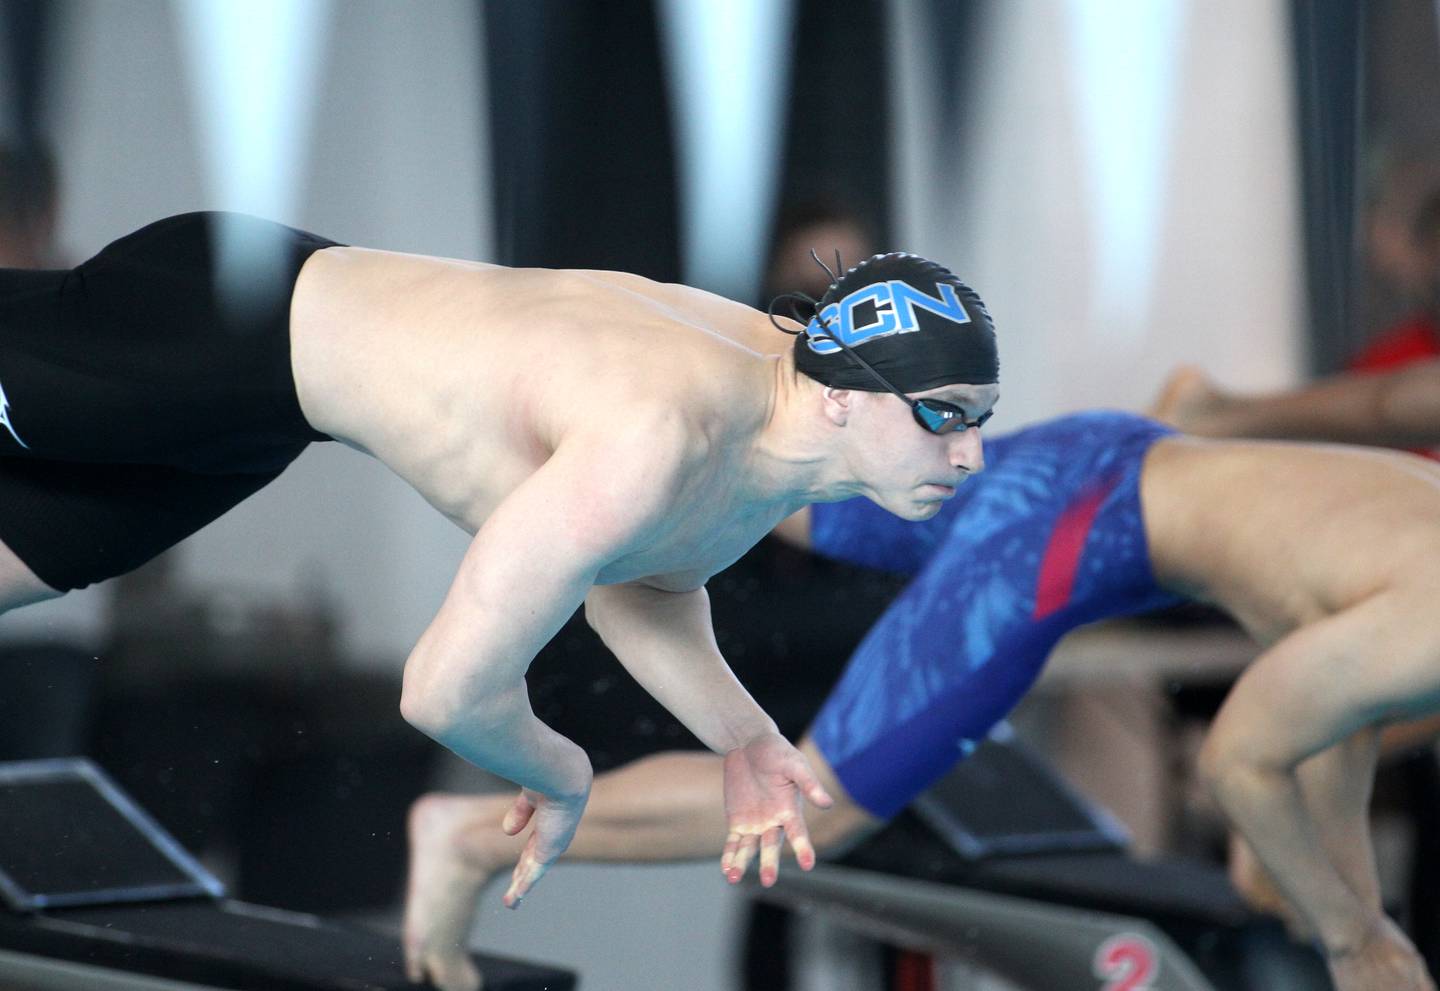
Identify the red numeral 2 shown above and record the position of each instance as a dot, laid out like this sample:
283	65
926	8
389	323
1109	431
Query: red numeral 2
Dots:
1126	963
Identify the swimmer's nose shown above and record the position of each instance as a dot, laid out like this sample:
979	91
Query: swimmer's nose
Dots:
967	451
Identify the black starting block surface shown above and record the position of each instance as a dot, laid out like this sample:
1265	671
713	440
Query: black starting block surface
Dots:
1005	821
69	836
232	945
1005	800
1162	891
92	882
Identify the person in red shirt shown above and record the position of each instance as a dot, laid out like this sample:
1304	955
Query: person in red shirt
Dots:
1389	395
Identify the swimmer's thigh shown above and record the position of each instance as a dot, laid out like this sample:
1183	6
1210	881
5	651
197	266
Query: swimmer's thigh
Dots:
69	525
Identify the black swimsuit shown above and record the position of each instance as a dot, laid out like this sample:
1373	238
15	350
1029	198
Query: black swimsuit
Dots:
139	399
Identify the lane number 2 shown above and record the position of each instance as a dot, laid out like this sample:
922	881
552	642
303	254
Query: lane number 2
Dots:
1126	962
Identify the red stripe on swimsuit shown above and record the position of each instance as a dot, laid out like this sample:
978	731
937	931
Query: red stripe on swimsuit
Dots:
1062	555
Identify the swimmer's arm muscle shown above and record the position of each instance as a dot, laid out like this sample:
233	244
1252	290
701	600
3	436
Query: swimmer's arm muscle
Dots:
667	642
524	575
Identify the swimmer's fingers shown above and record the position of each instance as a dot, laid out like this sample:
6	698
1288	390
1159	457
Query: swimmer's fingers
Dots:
739	851
520	813
810	785
727	857
528	871
770	842
799	836
554	822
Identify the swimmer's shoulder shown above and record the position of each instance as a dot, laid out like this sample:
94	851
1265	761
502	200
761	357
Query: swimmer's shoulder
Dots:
697	309
355	262
397	275
638	467
663	425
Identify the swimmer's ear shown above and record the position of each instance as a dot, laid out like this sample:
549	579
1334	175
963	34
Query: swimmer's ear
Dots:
836	404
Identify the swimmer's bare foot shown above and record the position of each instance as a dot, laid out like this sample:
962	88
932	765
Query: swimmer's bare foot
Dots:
446	875
1189	401
1255	885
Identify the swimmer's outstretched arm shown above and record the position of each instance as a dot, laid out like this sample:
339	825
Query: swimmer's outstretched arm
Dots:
662	808
1399	408
667	641
1317	687
526	572
529	567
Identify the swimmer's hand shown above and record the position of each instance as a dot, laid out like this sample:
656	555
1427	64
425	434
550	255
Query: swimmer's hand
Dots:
555	821
764	784
1385	960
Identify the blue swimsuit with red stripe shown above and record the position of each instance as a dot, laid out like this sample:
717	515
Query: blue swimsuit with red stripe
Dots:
1049	537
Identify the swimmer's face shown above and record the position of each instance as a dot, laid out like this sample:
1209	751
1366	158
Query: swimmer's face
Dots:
904	467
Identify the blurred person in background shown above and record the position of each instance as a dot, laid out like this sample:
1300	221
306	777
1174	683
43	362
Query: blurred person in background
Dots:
1390	396
29	206
823	224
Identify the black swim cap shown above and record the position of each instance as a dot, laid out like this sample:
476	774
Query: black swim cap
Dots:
912	320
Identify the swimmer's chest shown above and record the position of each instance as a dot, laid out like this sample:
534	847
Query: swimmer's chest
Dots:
701	536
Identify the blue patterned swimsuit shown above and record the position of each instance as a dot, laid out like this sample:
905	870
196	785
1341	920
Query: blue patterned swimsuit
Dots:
1049	537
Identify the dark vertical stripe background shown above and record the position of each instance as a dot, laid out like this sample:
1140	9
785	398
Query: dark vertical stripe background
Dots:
27	31
1329	52
581	144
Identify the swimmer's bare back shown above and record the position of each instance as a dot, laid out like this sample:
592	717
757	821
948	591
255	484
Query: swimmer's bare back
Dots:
1284	534
464	377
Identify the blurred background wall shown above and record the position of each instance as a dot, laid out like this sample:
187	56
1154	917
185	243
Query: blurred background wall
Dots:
1114	178
1119	181
390	150
1130	184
